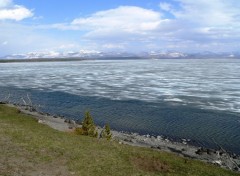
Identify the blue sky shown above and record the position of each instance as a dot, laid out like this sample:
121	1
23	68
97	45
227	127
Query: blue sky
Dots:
119	25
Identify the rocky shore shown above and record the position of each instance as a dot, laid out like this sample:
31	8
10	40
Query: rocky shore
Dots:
217	157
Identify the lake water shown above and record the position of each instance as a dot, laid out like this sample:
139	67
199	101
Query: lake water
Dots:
195	99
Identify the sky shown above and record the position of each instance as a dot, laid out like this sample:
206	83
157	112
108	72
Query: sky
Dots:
119	25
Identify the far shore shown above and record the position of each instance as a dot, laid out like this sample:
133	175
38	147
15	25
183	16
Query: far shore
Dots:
41	60
217	157
67	59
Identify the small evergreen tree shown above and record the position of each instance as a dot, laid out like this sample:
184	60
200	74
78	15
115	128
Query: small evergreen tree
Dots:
106	133
88	127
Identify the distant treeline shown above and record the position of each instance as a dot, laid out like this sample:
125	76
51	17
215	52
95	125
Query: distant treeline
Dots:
41	60
67	59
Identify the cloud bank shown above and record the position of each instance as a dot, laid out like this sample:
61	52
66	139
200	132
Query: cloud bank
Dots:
10	11
180	25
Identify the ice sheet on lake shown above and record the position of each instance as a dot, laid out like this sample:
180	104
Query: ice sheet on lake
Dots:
210	84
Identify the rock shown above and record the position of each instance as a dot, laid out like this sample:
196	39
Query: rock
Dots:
221	152
202	150
199	151
78	122
68	121
152	137
236	169
128	140
234	156
184	140
41	121
134	134
167	140
61	116
210	151
33	109
218	162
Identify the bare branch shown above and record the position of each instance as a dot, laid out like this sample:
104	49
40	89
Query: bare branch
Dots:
24	101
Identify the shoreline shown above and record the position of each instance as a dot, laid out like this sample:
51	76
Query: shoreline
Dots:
219	157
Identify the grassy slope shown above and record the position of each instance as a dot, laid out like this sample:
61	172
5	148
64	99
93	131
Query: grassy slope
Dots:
29	148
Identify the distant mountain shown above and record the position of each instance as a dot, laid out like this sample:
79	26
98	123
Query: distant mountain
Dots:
54	54
200	55
120	55
213	55
166	55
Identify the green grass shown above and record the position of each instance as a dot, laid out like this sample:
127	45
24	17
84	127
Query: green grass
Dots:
29	148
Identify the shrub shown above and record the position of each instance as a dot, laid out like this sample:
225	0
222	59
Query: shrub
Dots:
106	132
88	127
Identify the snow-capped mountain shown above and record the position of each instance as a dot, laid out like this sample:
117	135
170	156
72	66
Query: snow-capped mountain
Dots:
118	55
54	54
170	54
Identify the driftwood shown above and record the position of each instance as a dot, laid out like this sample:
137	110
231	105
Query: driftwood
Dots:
29	103
228	156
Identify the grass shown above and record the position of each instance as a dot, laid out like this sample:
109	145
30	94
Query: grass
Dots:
29	148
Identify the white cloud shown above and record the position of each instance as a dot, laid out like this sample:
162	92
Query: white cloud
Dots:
112	29
165	6
204	25
210	13
10	11
121	20
192	24
116	28
195	21
124	18
5	3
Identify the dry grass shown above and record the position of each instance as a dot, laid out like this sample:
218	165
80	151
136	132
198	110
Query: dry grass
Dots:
150	164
